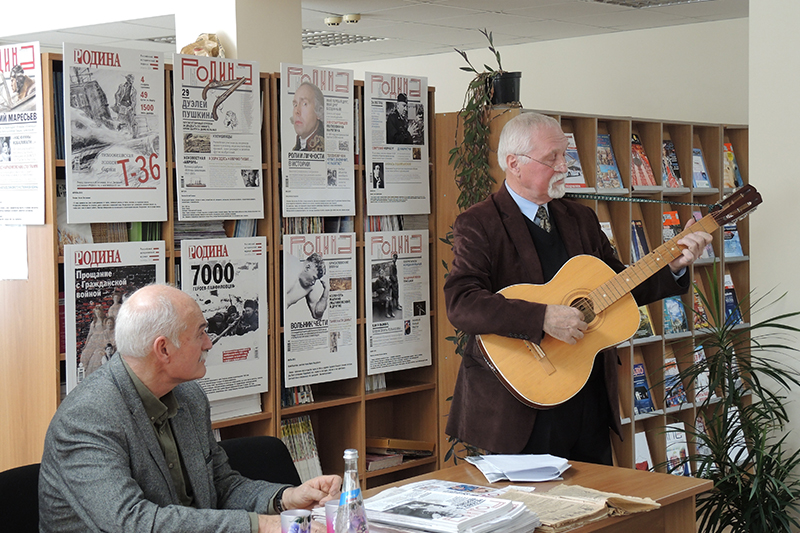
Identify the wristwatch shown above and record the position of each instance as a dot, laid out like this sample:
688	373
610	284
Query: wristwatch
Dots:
277	501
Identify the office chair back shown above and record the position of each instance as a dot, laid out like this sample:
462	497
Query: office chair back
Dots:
263	458
19	499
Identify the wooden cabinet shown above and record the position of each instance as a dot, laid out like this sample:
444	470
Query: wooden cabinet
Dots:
342	415
620	207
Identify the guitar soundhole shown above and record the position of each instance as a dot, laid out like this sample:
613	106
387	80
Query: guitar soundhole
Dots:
584	305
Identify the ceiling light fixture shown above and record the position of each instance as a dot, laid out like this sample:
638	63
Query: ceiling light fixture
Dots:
352	18
324	38
333	21
639	4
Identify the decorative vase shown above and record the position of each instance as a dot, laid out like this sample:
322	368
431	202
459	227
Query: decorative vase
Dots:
506	88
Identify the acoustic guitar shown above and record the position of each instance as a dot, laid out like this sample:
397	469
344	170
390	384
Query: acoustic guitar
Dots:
548	374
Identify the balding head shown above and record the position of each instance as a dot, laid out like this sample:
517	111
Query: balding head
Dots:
151	312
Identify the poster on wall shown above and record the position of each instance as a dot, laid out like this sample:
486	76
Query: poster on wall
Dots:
217	138
228	279
317	153
396	140
397	296
114	130
319	308
21	135
97	279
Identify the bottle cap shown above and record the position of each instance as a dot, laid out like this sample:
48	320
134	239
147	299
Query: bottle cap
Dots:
351	453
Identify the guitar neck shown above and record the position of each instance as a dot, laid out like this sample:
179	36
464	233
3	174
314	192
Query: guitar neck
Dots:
636	274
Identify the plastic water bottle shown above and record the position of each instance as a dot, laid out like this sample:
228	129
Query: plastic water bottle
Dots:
351	516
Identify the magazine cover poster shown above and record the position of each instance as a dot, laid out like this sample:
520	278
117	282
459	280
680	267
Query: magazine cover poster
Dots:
396	144
98	278
218	121
228	280
114	130
319	308
21	135
397	293
317	153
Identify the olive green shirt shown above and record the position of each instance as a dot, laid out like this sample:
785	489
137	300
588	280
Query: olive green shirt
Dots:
160	411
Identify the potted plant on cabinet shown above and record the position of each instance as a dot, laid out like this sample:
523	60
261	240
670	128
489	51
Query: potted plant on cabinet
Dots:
742	447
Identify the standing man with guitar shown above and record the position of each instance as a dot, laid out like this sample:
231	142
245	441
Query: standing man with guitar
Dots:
523	234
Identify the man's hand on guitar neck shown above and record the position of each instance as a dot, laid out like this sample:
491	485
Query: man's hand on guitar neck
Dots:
693	245
564	323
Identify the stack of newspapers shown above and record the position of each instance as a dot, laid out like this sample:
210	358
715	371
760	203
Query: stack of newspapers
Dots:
447	507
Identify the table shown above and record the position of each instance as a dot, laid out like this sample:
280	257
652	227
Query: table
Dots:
674	493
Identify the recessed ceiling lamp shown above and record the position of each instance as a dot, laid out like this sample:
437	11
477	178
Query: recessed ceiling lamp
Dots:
645	3
169	39
323	38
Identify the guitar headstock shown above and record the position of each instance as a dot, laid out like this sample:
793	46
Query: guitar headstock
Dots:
738	204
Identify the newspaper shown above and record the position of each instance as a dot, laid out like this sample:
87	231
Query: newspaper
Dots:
398	294
21	135
435	511
228	279
114	130
317	154
567	506
530	467
396	140
97	278
218	119
319	308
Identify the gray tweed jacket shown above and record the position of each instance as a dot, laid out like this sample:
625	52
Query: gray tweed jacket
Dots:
103	469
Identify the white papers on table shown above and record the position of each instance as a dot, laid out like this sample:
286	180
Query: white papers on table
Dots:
520	468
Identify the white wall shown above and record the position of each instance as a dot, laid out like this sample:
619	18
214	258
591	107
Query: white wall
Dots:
695	72
774	138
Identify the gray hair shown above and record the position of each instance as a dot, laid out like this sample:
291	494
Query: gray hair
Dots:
319	100
517	138
141	320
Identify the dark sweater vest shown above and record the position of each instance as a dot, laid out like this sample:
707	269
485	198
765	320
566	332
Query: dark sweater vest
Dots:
549	246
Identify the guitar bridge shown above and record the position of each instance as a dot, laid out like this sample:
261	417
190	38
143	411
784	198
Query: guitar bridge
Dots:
540	356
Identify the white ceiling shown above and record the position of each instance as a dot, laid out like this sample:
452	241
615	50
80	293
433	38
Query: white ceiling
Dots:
421	27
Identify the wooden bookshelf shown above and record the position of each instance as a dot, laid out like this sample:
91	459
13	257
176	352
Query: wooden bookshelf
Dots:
342	413
685	136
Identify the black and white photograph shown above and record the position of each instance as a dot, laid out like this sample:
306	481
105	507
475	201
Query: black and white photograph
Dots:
114	126
227	279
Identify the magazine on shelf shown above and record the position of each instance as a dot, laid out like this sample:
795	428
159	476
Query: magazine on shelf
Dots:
677	450
733	313
397	292
641	171
708	251
732	178
643	459
731	243
319	308
675	394
639	246
608	176
575	178
700	178
228	280
97	278
671	225
115	157
702	390
217	138
396	144
642	397
645	328
670	171
316	129
675	320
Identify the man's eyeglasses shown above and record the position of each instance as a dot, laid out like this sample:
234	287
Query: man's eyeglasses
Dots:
560	164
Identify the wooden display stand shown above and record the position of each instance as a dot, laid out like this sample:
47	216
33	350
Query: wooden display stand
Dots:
342	414
685	136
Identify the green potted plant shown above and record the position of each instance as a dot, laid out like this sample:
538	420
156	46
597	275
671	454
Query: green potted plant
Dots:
470	157
742	448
